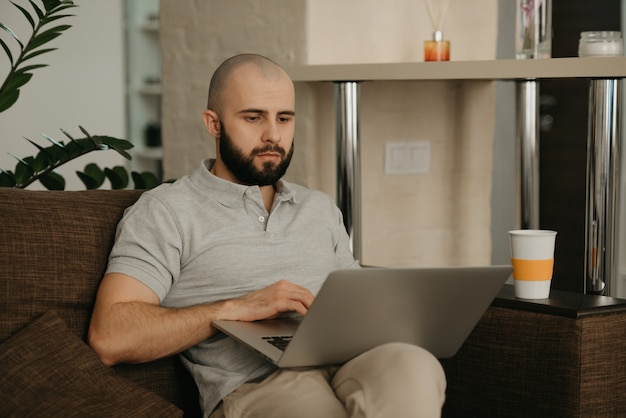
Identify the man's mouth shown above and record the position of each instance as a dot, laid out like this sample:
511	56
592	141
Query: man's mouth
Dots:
269	153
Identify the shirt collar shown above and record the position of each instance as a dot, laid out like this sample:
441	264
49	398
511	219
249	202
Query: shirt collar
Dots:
232	194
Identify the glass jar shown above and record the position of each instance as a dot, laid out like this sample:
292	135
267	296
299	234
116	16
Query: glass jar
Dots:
437	49
533	29
600	44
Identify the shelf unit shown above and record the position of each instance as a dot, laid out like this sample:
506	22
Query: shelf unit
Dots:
605	99
143	84
464	70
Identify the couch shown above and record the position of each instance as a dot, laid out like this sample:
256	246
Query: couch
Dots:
53	252
561	358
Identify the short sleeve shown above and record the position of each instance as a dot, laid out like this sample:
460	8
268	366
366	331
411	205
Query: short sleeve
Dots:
148	245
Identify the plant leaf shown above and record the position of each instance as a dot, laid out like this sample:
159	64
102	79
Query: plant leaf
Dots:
144	180
59	28
53	181
35	53
51	18
95	171
30	67
59	9
42	159
8	99
39	12
68	135
118	176
93	177
23	171
41	39
17	81
54	141
7	50
116	143
89	182
51	4
55	6
26	14
119	145
7	179
8	29
97	142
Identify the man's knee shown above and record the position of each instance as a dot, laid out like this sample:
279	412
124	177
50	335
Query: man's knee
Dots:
409	358
394	379
400	362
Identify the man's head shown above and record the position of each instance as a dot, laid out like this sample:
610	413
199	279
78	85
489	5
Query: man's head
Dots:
251	114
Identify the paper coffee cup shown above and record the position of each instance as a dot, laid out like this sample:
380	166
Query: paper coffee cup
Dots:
532	256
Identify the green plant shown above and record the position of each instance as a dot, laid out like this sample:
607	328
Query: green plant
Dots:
20	73
43	165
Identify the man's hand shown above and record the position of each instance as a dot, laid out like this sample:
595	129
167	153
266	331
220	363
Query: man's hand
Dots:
267	303
128	324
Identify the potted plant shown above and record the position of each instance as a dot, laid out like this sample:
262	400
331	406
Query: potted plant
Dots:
44	21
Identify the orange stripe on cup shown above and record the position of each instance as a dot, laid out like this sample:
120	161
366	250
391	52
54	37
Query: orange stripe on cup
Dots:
532	270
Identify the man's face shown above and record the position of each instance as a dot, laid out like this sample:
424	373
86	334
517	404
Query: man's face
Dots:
256	127
243	166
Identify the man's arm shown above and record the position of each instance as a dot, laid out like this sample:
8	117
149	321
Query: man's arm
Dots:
128	324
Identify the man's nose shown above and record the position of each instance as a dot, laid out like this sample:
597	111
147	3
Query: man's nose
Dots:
271	134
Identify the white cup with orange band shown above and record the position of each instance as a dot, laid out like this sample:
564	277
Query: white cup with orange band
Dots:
532	256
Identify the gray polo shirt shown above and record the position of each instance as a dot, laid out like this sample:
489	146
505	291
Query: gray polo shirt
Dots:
204	239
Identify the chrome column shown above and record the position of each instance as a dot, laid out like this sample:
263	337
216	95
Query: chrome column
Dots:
347	96
602	207
528	159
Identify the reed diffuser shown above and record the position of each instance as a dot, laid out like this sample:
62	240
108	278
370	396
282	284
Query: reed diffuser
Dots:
437	49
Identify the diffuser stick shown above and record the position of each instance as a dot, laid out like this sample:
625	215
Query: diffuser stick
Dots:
437	49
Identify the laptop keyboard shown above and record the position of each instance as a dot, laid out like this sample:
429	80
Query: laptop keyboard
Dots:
279	342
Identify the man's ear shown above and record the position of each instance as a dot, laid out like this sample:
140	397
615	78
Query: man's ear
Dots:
212	123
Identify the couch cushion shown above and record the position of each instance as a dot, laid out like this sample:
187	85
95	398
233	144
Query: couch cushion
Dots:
48	371
54	247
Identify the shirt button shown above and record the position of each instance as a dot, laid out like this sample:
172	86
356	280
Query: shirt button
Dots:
261	219
248	192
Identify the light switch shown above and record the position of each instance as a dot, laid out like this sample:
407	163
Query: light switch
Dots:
407	157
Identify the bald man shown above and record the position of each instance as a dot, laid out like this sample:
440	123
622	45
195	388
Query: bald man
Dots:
233	240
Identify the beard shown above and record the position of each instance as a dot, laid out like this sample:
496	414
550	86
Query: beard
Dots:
243	168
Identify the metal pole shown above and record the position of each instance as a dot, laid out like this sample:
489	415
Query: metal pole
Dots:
528	140
347	97
602	207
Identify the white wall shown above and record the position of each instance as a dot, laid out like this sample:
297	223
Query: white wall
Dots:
83	85
437	218
363	31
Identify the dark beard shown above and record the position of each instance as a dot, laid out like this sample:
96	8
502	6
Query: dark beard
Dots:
243	168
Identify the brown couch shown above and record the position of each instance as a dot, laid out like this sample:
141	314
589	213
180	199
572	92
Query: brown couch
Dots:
562	358
53	252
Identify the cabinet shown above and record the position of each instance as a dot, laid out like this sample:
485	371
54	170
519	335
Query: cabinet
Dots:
143	84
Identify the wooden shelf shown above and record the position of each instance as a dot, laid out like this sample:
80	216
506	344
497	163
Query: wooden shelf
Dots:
605	67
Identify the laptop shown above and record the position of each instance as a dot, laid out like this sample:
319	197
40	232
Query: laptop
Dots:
356	310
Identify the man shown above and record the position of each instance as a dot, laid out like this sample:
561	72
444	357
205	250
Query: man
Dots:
234	241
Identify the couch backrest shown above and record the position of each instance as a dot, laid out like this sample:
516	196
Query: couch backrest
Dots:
54	247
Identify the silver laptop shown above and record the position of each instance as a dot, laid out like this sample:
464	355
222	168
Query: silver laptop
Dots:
356	310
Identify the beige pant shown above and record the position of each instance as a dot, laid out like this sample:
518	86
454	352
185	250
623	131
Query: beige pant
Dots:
393	380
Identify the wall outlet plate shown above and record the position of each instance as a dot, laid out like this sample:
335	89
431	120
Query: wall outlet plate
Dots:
407	157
